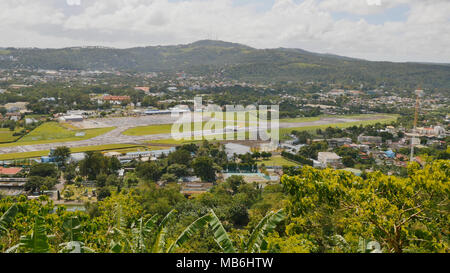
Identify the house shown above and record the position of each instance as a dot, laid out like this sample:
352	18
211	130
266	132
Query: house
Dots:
338	142
329	159
292	148
77	157
116	100
9	171
146	89
14	116
71	118
390	154
370	139
354	171
190	189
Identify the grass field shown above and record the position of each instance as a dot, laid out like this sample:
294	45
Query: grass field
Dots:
295	120
52	132
163	129
149	130
122	148
277	160
6	135
284	132
311	119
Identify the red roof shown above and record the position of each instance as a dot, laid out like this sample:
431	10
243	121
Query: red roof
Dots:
116	98
10	171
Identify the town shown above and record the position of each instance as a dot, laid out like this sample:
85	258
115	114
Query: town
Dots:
342	129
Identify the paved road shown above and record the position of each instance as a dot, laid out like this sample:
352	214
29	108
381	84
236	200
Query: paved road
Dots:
116	137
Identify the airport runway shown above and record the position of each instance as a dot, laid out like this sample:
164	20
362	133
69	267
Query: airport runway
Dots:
122	124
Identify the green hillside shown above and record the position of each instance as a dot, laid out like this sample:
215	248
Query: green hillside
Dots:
234	61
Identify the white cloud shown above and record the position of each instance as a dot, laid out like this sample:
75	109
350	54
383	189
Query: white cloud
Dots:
310	25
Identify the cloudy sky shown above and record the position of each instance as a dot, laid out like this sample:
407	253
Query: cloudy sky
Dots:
392	30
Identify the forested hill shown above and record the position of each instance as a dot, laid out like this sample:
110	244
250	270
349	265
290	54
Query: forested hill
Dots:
232	60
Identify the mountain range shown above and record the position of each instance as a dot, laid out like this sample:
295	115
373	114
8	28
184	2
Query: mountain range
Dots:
234	61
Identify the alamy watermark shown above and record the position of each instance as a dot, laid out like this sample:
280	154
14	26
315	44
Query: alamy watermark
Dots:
235	123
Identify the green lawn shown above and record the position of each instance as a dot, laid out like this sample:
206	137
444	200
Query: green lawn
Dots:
6	135
284	132
149	130
160	129
52	132
122	148
277	160
297	120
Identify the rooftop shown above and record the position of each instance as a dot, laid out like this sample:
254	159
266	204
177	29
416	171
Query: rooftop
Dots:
10	171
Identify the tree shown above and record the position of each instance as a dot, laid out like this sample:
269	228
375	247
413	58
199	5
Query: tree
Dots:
169	178
204	168
43	170
37	183
103	193
402	214
114	164
179	170
93	164
180	156
100	181
235	182
348	161
149	170
61	154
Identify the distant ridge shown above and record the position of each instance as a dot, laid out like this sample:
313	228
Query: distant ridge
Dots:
232	60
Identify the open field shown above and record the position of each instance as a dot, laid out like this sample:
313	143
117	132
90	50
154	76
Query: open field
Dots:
300	119
307	124
277	160
6	135
156	129
52	135
52	132
284	132
122	148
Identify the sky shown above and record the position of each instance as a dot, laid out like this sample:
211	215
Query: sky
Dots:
378	30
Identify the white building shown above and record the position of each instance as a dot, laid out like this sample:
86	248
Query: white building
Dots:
71	118
329	159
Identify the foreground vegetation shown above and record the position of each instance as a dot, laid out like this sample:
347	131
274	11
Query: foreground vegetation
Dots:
312	211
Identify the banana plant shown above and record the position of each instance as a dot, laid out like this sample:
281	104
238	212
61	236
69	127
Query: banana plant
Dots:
220	234
36	241
142	233
257	241
159	242
72	232
75	247
190	231
120	242
7	218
